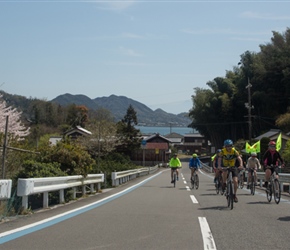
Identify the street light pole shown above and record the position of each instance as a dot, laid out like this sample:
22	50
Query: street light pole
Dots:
249	105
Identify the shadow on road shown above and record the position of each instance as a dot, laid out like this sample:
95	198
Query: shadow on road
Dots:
286	218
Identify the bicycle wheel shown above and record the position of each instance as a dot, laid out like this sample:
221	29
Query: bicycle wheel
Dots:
230	195
196	181
221	185
252	188
269	192
277	191
192	182
217	185
174	179
242	181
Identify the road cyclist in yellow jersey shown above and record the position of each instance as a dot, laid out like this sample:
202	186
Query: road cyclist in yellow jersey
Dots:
227	159
174	164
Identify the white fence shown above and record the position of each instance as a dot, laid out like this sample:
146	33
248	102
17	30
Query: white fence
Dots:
26	187
5	189
124	176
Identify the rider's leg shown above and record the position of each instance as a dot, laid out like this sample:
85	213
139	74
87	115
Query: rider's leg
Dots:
192	172
177	174
224	175
267	176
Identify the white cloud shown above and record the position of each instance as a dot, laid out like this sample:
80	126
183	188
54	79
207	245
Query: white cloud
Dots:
129	52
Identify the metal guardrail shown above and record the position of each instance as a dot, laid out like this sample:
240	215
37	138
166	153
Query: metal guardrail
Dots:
5	189
26	187
125	176
284	180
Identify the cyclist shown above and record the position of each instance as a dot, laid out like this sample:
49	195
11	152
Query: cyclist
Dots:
271	157
228	157
215	165
194	164
254	164
174	163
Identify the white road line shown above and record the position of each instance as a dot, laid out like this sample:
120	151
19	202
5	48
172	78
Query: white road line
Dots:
208	241
187	188
194	200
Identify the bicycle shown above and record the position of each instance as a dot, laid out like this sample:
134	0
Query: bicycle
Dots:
195	180
273	185
241	181
229	193
252	184
174	176
219	183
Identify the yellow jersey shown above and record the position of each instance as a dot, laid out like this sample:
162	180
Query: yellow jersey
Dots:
229	158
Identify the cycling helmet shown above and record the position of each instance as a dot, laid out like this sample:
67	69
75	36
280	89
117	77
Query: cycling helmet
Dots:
272	143
228	142
218	151
254	154
194	155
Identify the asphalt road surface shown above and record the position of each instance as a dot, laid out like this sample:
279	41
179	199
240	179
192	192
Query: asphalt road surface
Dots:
149	213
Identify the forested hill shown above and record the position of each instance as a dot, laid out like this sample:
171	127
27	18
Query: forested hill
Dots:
118	106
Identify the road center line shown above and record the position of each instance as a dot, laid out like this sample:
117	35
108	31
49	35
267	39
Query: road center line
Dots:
208	241
194	200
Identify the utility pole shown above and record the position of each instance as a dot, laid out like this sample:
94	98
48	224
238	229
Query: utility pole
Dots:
249	106
4	148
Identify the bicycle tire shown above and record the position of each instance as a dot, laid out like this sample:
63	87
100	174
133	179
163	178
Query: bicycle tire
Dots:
174	179
230	195
192	182
253	188
196	181
217	186
276	191
269	193
242	181
221	185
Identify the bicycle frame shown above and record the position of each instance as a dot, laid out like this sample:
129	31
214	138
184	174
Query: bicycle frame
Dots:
230	188
253	180
273	186
174	176
195	180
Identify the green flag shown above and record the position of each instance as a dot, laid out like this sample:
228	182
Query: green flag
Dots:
256	147
279	142
248	147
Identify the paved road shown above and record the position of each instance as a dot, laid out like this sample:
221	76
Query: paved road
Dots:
148	213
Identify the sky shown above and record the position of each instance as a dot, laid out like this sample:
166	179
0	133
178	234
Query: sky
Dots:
154	52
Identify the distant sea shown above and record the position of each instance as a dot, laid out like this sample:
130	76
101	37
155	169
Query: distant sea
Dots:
165	130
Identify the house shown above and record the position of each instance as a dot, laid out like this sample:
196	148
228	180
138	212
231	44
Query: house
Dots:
155	149
273	134
175	138
193	143
77	131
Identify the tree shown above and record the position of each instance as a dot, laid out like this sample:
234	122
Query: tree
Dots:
16	129
129	138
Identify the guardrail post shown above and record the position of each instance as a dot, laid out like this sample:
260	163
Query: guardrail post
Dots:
74	192
92	188
61	196
45	200
83	189
114	177
25	201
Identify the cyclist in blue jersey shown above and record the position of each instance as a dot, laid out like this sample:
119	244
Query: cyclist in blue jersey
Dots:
194	164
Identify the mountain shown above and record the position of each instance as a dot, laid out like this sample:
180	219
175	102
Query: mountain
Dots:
118	106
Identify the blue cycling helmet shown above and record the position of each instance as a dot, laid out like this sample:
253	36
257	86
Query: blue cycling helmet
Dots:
219	150
228	142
